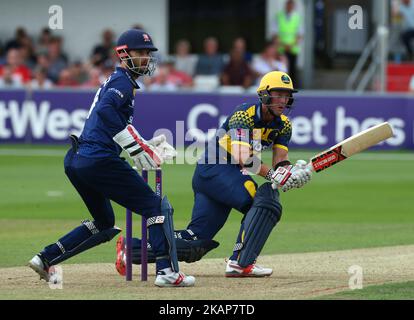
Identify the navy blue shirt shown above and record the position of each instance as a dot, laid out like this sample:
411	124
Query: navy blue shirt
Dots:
111	111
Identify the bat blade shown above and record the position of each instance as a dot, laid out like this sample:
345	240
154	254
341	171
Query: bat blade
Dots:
351	146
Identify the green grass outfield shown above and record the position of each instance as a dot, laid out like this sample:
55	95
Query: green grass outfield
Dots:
391	291
366	201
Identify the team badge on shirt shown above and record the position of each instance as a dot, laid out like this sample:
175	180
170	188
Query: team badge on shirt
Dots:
240	133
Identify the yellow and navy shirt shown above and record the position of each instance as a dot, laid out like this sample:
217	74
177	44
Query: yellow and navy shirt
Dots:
246	127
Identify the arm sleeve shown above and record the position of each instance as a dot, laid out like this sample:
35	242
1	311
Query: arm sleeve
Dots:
240	127
282	140
112	120
109	112
117	95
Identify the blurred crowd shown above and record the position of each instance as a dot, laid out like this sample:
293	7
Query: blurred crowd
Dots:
212	68
40	61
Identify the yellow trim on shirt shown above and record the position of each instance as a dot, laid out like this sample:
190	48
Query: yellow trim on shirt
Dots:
250	187
224	142
280	146
243	143
251	111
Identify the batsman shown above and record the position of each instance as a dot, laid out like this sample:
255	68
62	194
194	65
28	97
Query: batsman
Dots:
222	181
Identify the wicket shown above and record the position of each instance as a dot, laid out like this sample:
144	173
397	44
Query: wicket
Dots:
144	234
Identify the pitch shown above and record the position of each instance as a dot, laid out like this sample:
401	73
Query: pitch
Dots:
360	204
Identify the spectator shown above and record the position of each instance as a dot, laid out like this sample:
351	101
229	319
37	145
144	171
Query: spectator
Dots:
268	60
180	78
183	60
240	45
113	58
163	80
44	39
289	31
211	62
237	72
78	72
57	60
16	42
40	80
170	75
107	69
19	71
27	52
95	78
8	79
102	51
66	78
43	60
406	10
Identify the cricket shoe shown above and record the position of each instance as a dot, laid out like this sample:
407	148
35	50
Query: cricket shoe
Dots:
173	279
120	263
41	267
233	270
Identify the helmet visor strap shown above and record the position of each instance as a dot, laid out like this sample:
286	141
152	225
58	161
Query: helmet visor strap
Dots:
288	105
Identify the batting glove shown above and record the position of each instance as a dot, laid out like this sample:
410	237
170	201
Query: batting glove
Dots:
301	175
280	176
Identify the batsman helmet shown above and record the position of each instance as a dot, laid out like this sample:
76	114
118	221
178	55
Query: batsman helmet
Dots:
275	81
135	39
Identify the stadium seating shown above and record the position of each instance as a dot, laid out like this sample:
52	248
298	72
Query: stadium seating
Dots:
206	83
398	76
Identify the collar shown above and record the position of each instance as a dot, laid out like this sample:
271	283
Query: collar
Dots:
129	76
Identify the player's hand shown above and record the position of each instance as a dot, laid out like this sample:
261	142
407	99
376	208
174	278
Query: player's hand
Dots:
147	159
156	141
280	176
145	156
301	175
163	148
166	151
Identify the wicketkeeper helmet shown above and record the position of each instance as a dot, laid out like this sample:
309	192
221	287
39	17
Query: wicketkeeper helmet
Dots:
135	39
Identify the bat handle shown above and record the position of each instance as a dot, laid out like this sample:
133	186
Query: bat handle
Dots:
310	166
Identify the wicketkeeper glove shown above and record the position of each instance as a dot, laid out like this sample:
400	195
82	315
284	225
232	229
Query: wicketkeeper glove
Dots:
144	155
163	148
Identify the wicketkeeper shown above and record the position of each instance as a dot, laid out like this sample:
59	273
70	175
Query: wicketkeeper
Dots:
222	181
99	175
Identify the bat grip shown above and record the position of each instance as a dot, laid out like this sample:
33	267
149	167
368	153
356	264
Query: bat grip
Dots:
310	166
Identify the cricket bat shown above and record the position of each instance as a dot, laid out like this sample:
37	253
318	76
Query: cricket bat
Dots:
350	146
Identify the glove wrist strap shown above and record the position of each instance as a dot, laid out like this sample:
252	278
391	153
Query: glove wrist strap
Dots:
282	164
269	175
